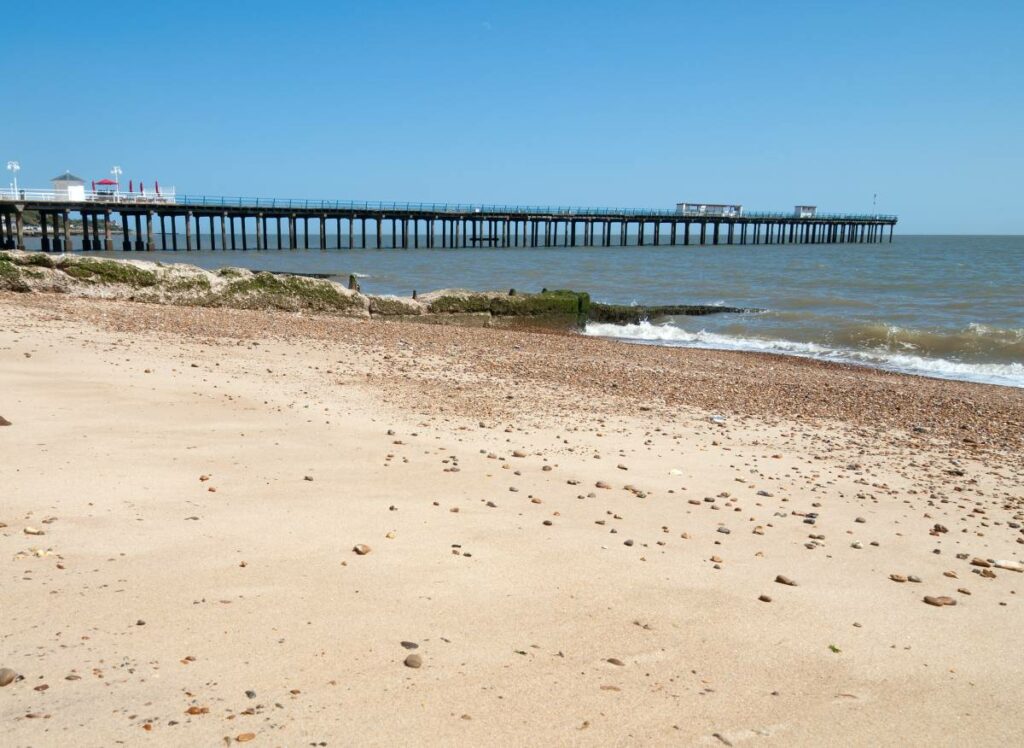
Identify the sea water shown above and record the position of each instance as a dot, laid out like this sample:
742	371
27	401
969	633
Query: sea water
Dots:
944	306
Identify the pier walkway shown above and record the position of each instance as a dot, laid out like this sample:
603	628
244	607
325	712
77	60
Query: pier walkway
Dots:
148	222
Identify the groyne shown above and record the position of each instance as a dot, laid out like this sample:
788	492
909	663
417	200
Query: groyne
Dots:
239	288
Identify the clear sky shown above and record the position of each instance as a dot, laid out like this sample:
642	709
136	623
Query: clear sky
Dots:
632	104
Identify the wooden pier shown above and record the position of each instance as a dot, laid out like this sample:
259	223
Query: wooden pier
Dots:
184	223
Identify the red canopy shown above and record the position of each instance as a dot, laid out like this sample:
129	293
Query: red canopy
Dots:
106	182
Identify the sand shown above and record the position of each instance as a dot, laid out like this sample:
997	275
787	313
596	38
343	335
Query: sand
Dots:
201	478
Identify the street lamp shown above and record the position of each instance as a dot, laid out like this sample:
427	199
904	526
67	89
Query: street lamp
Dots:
14	167
116	171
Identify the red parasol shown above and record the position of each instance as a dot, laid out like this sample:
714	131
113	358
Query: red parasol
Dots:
105	182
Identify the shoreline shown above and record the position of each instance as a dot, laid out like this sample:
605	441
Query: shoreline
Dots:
965	415
189	285
580	539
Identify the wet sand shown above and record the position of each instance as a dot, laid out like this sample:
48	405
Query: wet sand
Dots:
575	534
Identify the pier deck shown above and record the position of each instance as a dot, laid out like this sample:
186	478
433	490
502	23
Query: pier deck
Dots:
185	222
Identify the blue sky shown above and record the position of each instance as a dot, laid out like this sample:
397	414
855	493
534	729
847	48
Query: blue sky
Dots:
572	103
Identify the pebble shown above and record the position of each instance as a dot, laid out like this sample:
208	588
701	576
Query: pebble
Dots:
897	578
628	542
518	453
361	549
764	599
724	530
414	661
4	421
785	580
410	645
1009	566
7	676
939	601
615	661
602	484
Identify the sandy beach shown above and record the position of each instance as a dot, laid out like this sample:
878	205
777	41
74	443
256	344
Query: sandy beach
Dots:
223	526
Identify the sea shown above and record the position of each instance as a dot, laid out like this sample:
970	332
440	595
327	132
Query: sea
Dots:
937	306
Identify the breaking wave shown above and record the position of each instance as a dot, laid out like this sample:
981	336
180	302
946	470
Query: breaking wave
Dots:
911	360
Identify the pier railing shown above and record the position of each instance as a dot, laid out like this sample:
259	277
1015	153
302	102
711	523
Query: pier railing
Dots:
61	196
284	204
465	208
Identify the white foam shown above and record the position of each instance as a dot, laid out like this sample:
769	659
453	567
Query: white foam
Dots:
1010	375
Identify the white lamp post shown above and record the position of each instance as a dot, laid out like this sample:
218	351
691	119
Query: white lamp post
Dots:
14	167
116	171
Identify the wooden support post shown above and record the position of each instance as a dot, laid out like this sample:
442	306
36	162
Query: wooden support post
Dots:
44	241
86	234
188	232
351	231
323	231
364	232
174	232
378	232
86	238
140	246
19	230
66	223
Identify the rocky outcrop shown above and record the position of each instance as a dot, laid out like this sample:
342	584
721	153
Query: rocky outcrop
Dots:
187	285
569	307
